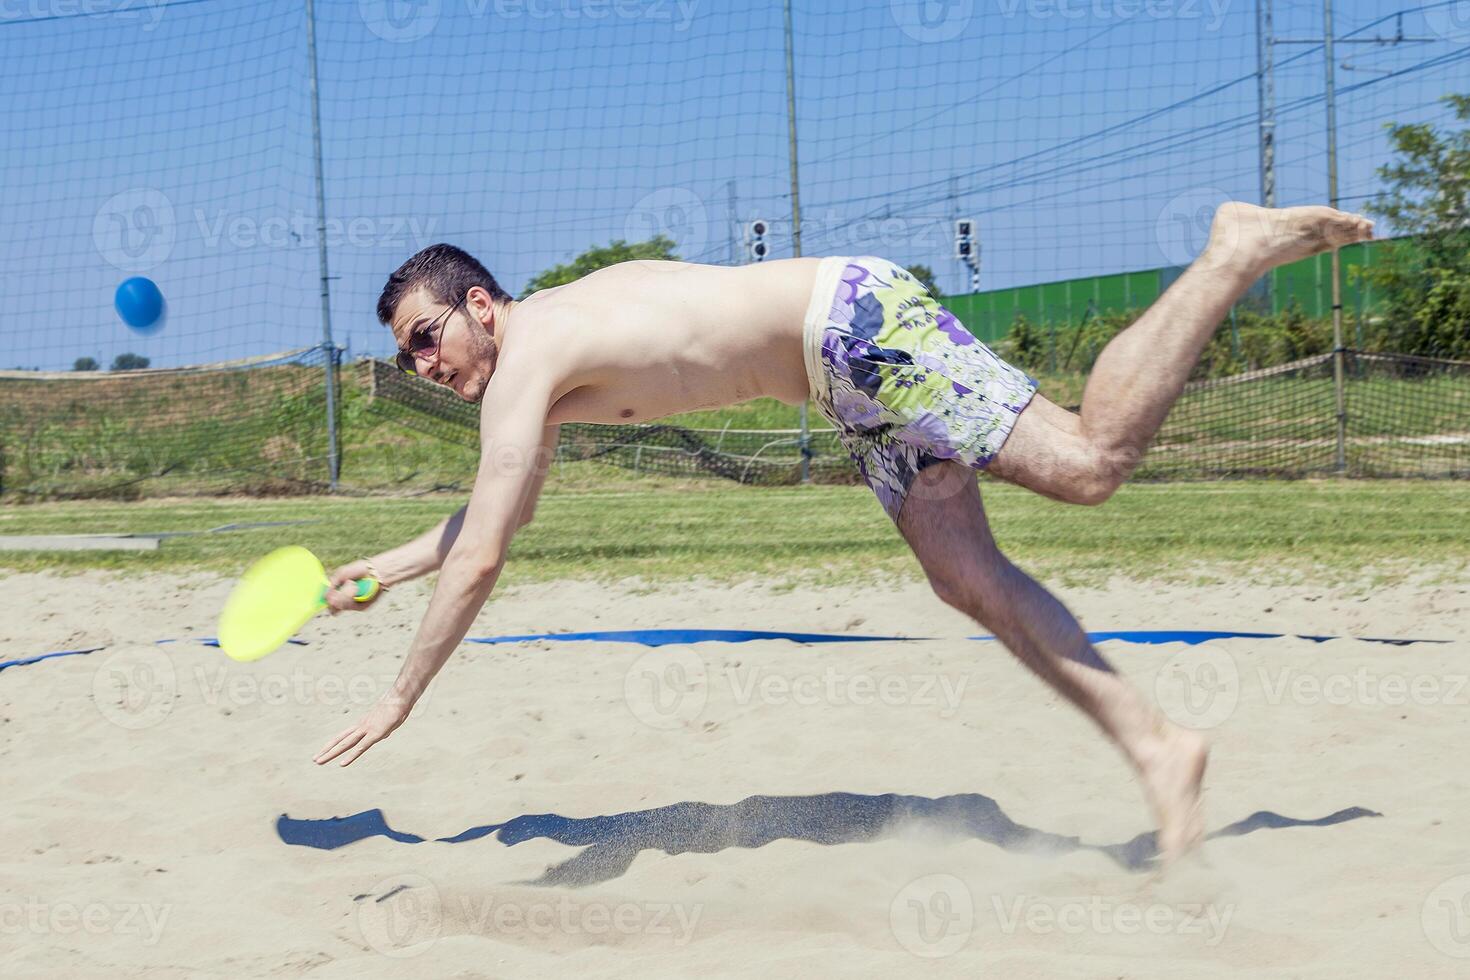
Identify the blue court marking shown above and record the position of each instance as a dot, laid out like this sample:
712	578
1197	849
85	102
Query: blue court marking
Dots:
45	656
1194	637
665	637
210	641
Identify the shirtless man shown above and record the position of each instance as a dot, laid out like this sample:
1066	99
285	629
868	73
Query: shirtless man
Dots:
917	400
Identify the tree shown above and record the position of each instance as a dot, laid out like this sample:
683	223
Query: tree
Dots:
925	275
85	364
129	362
600	257
1426	278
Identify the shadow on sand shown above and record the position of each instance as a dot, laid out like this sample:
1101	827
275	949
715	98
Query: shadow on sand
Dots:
612	842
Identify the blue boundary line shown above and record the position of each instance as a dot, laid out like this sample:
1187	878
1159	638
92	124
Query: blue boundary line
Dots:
665	637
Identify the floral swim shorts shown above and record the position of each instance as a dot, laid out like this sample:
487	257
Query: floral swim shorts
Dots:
901	379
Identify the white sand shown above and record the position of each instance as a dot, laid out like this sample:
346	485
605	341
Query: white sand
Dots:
142	785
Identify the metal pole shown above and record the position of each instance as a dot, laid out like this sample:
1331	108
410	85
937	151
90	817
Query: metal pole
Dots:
734	221
954	211
791	135
334	461
1266	99
1338	353
806	436
1266	103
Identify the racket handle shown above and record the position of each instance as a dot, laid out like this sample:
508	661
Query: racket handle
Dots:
367	589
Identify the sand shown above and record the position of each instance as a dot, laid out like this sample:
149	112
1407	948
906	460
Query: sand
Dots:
143	783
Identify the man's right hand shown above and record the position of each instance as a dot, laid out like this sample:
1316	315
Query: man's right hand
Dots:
343	594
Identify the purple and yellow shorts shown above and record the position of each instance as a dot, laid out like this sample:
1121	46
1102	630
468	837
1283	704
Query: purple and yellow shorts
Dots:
901	379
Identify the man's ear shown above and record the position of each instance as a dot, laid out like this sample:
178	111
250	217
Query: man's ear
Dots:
482	307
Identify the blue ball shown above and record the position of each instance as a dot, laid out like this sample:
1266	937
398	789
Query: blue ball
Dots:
140	304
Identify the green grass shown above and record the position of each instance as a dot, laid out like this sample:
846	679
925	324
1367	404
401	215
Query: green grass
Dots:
666	531
261	433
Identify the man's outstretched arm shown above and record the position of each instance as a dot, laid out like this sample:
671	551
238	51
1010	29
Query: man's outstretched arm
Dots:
512	463
426	553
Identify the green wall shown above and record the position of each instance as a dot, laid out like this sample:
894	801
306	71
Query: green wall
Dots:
989	314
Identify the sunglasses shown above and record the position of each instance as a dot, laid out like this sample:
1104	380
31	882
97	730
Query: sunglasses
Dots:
423	342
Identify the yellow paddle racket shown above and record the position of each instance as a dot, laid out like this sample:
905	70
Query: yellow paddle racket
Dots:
274	599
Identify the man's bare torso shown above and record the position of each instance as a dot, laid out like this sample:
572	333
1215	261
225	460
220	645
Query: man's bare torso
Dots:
642	340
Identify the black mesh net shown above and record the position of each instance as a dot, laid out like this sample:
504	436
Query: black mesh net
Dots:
260	426
252	426
761	457
1402	417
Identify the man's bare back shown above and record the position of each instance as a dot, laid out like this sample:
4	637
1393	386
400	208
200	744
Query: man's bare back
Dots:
642	340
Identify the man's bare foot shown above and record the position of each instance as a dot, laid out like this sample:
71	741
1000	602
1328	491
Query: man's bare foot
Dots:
1172	770
1256	240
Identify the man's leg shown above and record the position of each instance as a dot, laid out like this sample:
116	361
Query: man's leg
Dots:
1141	373
944	523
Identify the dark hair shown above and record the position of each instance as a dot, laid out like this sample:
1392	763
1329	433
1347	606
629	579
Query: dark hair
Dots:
445	271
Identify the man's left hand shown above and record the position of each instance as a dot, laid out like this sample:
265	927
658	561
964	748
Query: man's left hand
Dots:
378	724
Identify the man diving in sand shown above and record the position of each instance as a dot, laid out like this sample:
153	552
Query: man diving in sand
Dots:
917	400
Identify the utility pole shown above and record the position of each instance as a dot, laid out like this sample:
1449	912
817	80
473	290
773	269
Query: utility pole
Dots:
1266	98
1266	40
806	436
954	206
1266	102
334	462
1338	354
733	220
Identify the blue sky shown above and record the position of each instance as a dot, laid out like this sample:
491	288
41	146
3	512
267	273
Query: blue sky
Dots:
1084	136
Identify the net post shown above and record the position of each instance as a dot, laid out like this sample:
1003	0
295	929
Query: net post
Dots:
806	436
334	462
1266	109
1338	352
